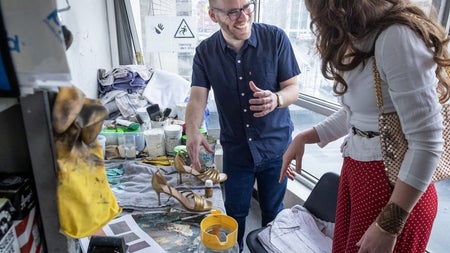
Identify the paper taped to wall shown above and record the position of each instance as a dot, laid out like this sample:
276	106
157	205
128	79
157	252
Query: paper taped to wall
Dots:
36	42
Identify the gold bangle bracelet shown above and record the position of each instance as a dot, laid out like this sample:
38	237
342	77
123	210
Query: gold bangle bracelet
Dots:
384	231
392	219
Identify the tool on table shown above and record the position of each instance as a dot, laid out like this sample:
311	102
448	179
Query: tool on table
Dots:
139	119
154	112
166	114
191	217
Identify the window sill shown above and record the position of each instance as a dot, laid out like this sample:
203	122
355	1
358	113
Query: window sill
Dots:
296	193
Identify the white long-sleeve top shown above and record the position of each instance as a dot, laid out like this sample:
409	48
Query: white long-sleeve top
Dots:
409	84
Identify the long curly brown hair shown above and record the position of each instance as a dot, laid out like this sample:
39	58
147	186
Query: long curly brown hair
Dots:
338	24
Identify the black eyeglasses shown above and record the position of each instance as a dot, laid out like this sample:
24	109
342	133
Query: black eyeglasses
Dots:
234	14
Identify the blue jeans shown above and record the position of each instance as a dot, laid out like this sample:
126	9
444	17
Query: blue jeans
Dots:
239	188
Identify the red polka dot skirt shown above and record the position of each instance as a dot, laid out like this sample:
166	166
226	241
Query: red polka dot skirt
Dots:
363	191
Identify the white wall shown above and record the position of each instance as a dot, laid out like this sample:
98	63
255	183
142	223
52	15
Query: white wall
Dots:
90	50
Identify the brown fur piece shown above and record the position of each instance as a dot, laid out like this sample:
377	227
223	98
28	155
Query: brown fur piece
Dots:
68	104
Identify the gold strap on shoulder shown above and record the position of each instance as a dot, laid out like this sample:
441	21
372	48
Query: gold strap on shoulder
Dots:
377	79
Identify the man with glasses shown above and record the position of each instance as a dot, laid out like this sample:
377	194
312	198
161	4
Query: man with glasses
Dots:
253	71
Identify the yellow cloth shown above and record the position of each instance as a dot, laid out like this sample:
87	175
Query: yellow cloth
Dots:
85	200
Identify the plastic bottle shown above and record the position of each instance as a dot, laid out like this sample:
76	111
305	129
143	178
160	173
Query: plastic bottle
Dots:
218	156
154	139
208	188
129	124
172	137
144	118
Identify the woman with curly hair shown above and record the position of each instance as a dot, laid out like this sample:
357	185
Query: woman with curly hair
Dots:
410	49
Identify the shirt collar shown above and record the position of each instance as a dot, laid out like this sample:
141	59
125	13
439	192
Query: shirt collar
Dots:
252	41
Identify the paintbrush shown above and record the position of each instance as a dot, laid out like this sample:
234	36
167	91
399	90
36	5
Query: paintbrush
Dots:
189	217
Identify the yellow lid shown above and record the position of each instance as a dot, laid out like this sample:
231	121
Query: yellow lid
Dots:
211	226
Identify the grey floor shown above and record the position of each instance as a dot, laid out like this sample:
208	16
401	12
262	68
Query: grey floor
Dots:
253	221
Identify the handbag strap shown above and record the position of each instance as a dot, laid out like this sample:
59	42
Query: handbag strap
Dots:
377	80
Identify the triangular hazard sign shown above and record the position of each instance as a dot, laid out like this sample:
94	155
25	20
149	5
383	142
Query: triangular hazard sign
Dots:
183	31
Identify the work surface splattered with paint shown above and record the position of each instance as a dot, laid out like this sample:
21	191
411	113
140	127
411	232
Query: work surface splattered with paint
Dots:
174	231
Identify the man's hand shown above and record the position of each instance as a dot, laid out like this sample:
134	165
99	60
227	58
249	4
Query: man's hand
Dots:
193	143
264	102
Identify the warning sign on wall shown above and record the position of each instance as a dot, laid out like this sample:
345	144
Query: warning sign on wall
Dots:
170	34
183	31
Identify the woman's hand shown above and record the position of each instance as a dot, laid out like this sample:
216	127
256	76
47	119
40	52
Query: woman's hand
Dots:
375	240
295	152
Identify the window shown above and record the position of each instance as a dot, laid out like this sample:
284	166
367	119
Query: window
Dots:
311	82
293	17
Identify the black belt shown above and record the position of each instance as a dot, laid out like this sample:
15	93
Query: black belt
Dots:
367	134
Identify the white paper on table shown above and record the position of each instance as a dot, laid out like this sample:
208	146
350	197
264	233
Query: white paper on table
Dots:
136	239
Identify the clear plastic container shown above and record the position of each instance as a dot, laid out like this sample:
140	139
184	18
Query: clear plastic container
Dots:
154	139
218	156
172	135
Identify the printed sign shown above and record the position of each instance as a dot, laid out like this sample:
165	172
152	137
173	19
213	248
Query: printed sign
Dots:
183	31
170	34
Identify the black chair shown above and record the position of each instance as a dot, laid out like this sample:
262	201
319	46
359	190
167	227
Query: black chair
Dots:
321	203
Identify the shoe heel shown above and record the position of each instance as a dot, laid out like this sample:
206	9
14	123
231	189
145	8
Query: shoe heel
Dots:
159	198
180	176
157	186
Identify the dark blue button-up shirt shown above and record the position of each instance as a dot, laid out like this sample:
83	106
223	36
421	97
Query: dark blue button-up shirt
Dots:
266	58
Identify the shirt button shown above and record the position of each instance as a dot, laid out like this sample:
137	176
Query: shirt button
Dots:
249	139
242	94
245	110
239	61
247	125
240	78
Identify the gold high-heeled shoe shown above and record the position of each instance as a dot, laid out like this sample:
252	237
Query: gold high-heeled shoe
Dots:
187	198
213	174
